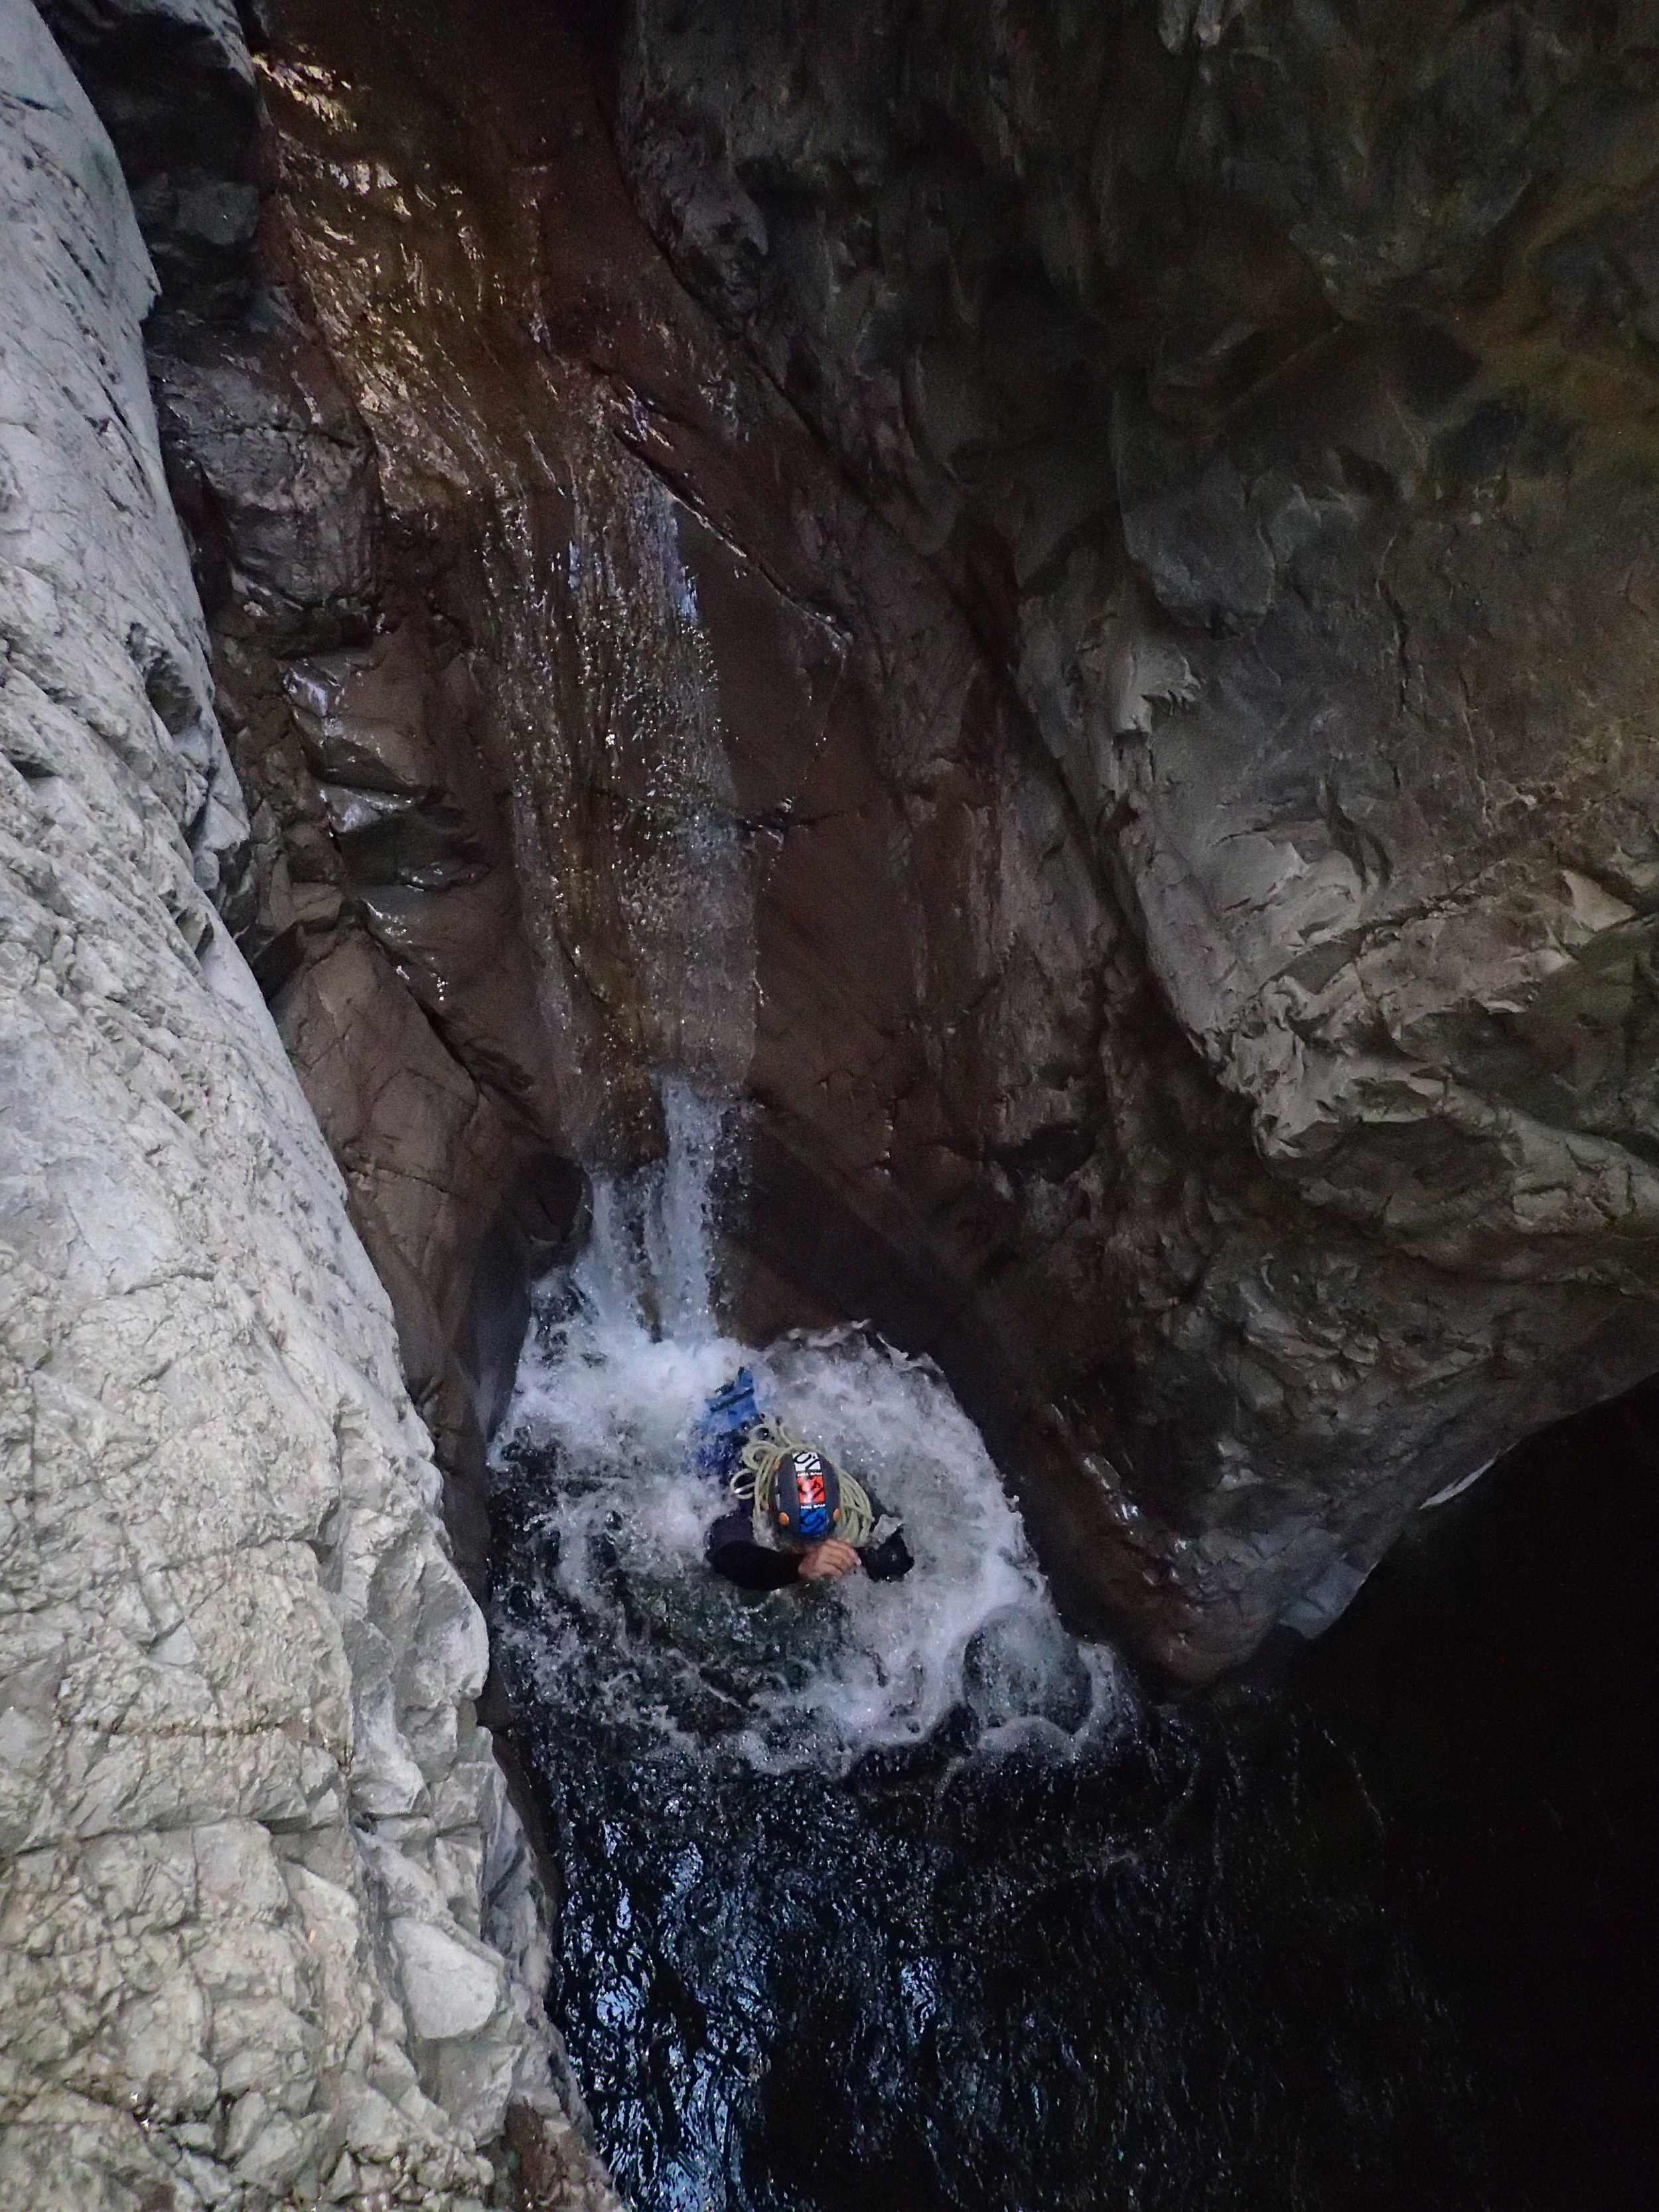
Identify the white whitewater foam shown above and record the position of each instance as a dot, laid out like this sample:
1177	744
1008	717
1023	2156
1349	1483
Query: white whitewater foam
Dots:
622	1356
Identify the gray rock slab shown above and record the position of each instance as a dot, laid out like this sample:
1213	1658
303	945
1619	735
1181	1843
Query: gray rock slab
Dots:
252	1842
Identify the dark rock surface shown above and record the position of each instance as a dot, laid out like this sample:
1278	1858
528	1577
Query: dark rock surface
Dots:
773	821
1100	679
172	82
1273	389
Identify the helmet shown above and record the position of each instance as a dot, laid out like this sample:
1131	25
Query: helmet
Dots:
805	1498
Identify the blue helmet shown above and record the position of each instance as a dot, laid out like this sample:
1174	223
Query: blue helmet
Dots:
806	1497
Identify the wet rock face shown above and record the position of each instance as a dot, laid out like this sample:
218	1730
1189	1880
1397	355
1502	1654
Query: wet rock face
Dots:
1081	642
1273	393
268	1930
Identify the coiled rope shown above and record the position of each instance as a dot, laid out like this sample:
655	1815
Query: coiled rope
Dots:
754	1484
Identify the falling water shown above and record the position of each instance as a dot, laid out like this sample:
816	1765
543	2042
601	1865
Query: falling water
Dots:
625	1350
887	1896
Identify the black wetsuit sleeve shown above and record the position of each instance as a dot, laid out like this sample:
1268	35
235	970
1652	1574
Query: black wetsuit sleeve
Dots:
886	1561
733	1553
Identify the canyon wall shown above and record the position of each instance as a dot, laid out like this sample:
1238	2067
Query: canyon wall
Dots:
1072	624
1066	619
1057	602
1272	388
269	1933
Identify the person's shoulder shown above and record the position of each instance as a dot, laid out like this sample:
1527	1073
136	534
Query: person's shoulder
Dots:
734	1528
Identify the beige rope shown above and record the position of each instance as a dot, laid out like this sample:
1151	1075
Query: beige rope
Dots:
754	1484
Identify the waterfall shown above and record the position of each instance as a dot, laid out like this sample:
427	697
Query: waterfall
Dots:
623	1352
885	1898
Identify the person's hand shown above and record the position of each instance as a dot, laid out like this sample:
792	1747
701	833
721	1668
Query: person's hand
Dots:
821	1563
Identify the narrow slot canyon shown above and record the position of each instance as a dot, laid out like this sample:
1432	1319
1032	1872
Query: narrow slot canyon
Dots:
951	706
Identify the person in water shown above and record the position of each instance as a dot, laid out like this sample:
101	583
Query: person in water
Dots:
797	1517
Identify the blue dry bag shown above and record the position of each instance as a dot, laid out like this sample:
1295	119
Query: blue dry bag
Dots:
725	1422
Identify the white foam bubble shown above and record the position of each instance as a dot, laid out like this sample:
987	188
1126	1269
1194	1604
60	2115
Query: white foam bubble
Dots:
624	1355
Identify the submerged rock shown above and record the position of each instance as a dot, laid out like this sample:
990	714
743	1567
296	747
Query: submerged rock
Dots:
1023	1665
